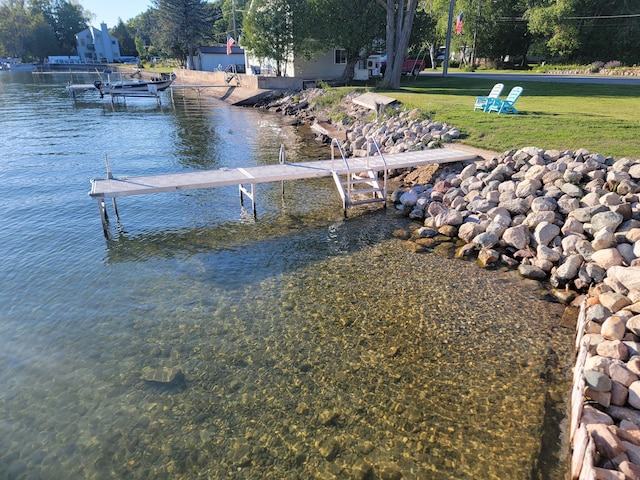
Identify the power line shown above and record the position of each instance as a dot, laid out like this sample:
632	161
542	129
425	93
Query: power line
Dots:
598	17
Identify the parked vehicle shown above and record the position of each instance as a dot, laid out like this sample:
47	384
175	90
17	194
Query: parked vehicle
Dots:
409	66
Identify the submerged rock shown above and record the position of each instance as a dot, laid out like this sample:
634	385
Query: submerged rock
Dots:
167	375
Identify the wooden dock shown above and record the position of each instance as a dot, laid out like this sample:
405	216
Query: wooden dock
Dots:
120	187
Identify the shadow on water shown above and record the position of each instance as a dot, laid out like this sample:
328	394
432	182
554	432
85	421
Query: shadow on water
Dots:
236	254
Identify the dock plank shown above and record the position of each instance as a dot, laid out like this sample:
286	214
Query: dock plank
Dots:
123	186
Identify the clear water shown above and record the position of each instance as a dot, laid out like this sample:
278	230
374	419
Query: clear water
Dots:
308	346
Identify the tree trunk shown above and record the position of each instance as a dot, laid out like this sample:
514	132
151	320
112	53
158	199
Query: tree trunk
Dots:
400	15
349	71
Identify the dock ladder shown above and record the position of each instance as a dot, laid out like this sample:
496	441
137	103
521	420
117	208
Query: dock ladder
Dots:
358	185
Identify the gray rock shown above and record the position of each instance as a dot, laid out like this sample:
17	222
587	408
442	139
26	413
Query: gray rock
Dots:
595	272
480	205
485	240
449	217
585	214
162	375
543	204
572	176
469	230
516	206
545	232
571	225
530	271
409	199
426	232
607	219
597	381
543	252
536	218
569	268
567	204
603	238
571	190
528	188
627	276
518	237
585	249
597	313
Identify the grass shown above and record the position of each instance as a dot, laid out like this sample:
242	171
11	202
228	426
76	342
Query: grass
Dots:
602	118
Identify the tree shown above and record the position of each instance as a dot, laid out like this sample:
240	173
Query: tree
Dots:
350	25
587	30
42	40
280	30
400	15
183	25
127	43
14	28
67	19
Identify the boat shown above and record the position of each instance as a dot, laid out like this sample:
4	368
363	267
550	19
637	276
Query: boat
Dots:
15	65
134	87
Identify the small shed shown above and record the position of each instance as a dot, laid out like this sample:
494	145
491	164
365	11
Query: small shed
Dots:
210	59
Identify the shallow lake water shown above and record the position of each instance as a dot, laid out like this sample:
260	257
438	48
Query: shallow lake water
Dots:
300	345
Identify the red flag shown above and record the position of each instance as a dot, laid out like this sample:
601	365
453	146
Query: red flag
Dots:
459	24
230	43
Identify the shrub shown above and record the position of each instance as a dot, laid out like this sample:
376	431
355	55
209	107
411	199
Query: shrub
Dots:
595	67
612	64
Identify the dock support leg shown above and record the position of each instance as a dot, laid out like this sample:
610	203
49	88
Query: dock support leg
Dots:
104	217
115	208
250	194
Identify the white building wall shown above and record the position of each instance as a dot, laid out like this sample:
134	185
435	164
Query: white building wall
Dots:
321	66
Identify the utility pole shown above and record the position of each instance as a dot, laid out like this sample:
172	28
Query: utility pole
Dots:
475	37
233	11
445	65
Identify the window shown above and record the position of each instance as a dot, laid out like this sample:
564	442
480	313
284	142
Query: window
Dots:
340	56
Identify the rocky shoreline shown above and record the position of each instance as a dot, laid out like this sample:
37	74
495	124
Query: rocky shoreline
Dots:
568	218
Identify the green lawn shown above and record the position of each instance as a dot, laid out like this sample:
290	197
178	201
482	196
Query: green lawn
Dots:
601	118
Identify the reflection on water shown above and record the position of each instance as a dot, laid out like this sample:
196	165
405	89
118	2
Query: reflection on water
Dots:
194	344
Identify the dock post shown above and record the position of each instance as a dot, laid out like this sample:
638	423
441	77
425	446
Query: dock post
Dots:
115	208
251	195
106	160
104	218
113	199
282	159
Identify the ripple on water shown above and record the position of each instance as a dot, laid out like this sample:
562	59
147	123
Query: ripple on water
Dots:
310	347
364	362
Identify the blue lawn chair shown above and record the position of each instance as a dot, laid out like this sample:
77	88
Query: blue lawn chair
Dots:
482	103
506	105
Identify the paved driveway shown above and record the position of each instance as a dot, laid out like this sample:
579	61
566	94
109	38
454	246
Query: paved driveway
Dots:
541	77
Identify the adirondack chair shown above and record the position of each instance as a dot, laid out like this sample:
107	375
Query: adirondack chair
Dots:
506	105
482	103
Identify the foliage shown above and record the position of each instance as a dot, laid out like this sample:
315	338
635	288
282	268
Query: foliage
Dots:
353	26
229	19
182	26
44	27
126	41
280	30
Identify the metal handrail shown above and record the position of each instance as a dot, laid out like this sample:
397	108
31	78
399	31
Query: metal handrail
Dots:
344	158
372	139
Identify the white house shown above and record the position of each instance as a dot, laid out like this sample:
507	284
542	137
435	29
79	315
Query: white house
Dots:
210	59
97	45
320	67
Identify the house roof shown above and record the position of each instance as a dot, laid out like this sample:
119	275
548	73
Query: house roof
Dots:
221	50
